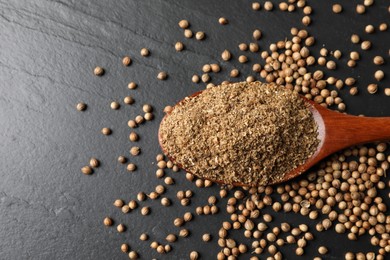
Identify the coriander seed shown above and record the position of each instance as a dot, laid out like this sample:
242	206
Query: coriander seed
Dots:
206	237
131	167
106	131
133	255
383	27
222	20
387	92
256	34
98	71
360	9
256	6
365	45
171	238
184	24
379	75
179	46
194	255
94	163
372	88
135	150
145	211
122	159
268	6
145	52
242	59
126	61
132	124
125	248
132	85
121	228
144	237
162	75
200	35
107	221
114	105
226	55
369	28
128	100
378	60
184	232
322	250
188	33
81	106
337	8
87	170
165	202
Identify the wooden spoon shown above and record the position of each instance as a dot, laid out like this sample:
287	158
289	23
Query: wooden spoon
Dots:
336	131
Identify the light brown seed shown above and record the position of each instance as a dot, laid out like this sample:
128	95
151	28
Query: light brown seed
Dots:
114	105
135	150
145	52
121	228
268	6
372	88
94	163
106	131
200	35
337	8
131	167
128	100
387	93
226	55
256	6
223	20
132	85
383	27
81	106
179	46
360	9
256	34
98	71
355	38
122	159
188	33
145	211
184	24
365	45
194	255
379	75
87	170
125	248
107	221
126	61
162	75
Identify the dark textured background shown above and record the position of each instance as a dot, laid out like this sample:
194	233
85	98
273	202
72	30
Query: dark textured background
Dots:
48	49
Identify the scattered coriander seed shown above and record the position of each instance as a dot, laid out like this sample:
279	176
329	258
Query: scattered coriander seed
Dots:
322	250
122	159
121	228
206	237
131	167
299	251
194	255
337	54
242	59
162	75
81	106
200	35
234	73
387	92
383	27
184	24
256	34
306	20
145	211
141	196
126	61
360	9
178	222
184	232
354	55
125	248
243	46
188	33
195	78
160	249
132	85
169	181
94	163
165	202
187	216
256	6
372	88
369	28
337	8
365	45
145	52
215	68
226	55
107	221
378	60
98	71
106	131
132	204
118	203
114	105
135	150
268	6
179	46
331	65
125	209
223	20
368	2
143	237
133	255
355	38
139	119
87	170
379	75
128	100
132	124
171	238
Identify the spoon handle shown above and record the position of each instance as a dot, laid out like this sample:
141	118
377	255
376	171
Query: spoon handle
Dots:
343	131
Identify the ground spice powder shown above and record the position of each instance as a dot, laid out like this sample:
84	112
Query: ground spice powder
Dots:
250	133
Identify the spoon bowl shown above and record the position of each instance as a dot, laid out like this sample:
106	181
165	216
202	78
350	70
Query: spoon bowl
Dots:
336	131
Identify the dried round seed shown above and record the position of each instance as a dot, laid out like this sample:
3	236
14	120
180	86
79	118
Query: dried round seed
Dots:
131	167
379	75
133	137
184	24
179	46
337	8
194	255
132	85
256	6
122	159
132	124
322	250
256	34
145	211
114	105
94	163
171	238
223	20
372	88
125	248
188	33
87	170
169	181
139	119
200	35
81	106
125	209
107	221
369	28
243	46
299	251
98	71
165	202
118	203
133	255
148	116
143	237
242	59
306	20
128	100
141	196
337	54
184	232
145	52
387	92
378	60
162	75
360	9
206	237
126	61
365	45
106	131
383	27
355	38
268	6
226	55
135	150
121	228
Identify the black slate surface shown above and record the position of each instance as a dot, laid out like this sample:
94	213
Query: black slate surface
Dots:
48	49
